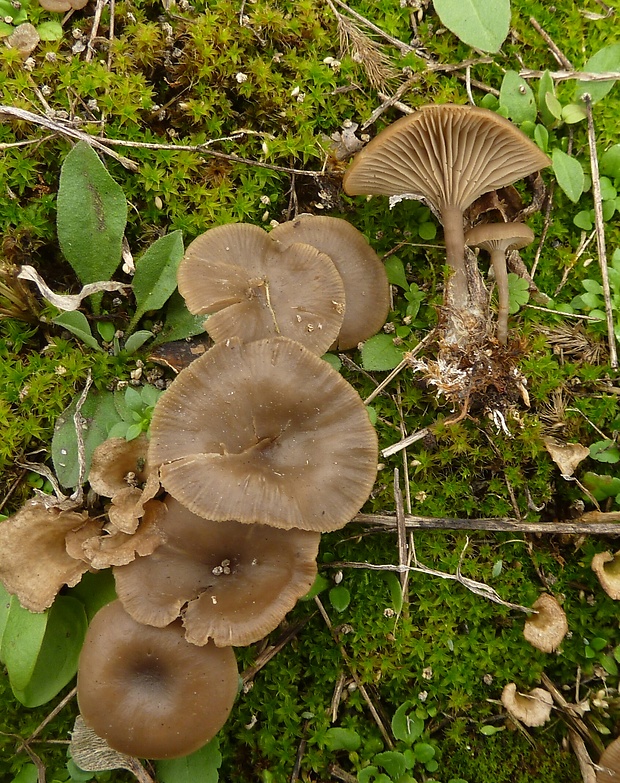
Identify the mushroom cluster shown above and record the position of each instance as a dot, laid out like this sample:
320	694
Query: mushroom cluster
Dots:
448	156
212	526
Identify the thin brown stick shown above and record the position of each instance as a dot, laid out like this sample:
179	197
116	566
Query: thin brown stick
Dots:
569	74
543	235
90	46
60	706
358	682
401	529
111	33
593	523
599	224
555	49
270	652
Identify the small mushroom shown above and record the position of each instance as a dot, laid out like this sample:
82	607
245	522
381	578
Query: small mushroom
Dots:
610	760
546	629
147	691
25	38
61	6
532	709
34	563
265	432
497	239
446	156
607	568
366	287
230	582
253	287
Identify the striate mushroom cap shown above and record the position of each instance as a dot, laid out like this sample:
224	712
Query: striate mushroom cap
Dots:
230	582
147	691
34	563
445	155
607	569
532	709
610	759
546	629
499	236
253	287
366	287
265	432
118	464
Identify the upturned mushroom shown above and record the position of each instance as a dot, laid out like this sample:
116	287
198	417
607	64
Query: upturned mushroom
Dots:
532	709
230	582
546	629
606	566
147	691
265	432
446	156
366	287
497	239
253	287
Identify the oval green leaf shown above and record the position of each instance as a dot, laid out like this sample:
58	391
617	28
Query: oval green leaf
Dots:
517	97
379	353
477	23
202	765
606	60
569	174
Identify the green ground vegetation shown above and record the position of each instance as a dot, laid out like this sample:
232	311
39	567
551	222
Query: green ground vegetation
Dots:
268	81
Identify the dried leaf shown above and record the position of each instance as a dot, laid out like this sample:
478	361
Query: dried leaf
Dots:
566	456
67	302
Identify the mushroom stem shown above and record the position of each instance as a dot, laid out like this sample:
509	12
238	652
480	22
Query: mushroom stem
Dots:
498	259
454	238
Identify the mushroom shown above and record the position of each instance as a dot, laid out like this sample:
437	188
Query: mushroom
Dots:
265	432
446	156
610	760
532	709
366	287
61	6
230	582
34	563
253	287
546	629
147	691
607	568
497	239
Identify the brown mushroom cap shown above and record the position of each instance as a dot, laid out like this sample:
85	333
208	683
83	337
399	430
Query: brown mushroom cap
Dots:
607	568
117	464
547	629
253	287
446	156
147	691
34	563
610	759
499	236
366	287
238	581
532	709
265	432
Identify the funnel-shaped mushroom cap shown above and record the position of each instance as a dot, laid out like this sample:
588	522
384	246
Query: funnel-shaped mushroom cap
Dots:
147	691
238	581
255	288
546	629
610	759
366	287
445	155
117	464
607	568
499	236
532	709
265	432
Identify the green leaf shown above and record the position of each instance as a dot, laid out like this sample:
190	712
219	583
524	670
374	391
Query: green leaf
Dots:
339	597
396	591
333	360
380	353
477	23
573	113
541	137
155	279
489	730
50	31
77	774
136	340
395	271
94	591
106	330
320	583
6	29
203	766
610	162
605	60
424	752
601	486
77	323
497	568
605	451
546	87
554	107
341	739
99	413
27	774
406	726
392	762
41	650
368	774
569	174
583	219
518	293
133	431
92	213
17	15
517	97
179	323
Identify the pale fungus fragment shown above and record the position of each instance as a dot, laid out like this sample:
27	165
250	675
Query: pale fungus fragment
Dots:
531	709
546	629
